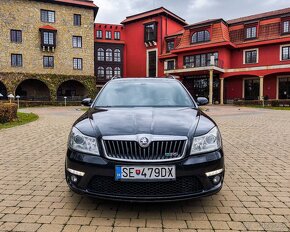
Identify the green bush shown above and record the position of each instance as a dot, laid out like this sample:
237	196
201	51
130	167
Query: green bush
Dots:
8	112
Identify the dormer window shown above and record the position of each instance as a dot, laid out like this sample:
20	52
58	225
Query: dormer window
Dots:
286	27
170	45
150	32
200	36
108	35
251	32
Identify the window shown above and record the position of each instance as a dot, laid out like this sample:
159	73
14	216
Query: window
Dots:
117	72
77	20
152	67
101	72
109	55
109	72
285	27
77	41
48	61
47	16
108	35
117	55
200	36
16	60
170	45
251	32
78	63
286	53
99	34
170	64
150	32
48	38
251	56
101	54
117	35
200	60
16	36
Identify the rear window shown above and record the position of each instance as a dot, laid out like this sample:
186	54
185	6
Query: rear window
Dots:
144	94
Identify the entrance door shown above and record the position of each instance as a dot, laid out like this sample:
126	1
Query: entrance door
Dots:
198	86
284	88
152	64
252	89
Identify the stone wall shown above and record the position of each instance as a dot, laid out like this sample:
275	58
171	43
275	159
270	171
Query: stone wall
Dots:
25	15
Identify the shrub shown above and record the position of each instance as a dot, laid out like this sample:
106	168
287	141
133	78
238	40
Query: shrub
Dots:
8	112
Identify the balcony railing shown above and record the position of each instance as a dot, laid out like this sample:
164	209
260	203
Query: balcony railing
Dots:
191	67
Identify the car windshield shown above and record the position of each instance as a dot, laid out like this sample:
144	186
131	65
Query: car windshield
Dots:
144	94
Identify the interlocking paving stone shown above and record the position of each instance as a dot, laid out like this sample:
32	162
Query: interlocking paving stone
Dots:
256	194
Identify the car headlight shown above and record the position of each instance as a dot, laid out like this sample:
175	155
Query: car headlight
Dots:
82	143
206	143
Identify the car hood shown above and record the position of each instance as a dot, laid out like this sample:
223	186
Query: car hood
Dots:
131	121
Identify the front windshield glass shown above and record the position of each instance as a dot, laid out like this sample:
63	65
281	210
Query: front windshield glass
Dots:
144	94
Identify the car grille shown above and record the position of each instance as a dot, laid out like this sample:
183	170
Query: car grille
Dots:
156	151
181	186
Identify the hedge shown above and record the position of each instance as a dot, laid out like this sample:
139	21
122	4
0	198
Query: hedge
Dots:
273	103
8	112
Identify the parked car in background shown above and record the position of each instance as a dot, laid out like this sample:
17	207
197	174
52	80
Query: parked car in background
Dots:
145	139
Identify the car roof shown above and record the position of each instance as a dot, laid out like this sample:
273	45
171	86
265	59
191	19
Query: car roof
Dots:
144	79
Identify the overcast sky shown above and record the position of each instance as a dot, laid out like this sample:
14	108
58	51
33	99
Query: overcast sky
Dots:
114	11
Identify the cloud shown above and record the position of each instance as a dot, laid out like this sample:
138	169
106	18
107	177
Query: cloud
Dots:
114	11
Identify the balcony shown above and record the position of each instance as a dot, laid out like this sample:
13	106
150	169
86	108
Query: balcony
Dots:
217	65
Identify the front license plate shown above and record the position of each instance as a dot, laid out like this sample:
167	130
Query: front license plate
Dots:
145	173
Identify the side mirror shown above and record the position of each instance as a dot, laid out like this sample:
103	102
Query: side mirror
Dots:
201	101
87	102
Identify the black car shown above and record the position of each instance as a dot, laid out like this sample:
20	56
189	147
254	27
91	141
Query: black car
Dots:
145	139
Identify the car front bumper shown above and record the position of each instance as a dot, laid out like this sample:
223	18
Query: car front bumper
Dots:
99	178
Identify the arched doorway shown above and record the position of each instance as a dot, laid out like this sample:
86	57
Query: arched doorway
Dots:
33	90
3	91
73	90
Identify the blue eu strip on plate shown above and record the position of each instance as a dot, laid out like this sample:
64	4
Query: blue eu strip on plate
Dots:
118	172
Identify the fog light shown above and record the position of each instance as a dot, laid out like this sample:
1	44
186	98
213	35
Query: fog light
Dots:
216	179
73	178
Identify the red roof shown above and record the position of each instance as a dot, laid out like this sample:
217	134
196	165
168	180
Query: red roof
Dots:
258	16
48	27
79	2
208	21
175	33
157	11
85	3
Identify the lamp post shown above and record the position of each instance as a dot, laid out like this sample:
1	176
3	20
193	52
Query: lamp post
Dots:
11	96
65	101
18	98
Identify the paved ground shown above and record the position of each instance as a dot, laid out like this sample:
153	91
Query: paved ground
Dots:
256	194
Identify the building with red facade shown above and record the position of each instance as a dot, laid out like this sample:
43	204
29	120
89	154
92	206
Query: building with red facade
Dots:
245	58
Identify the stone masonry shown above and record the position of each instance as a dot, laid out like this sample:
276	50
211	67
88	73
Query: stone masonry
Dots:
25	15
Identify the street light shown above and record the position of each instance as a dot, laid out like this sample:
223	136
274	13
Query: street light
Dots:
18	97
65	101
11	96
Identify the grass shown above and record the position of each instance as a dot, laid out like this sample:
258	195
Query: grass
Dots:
269	107
23	118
